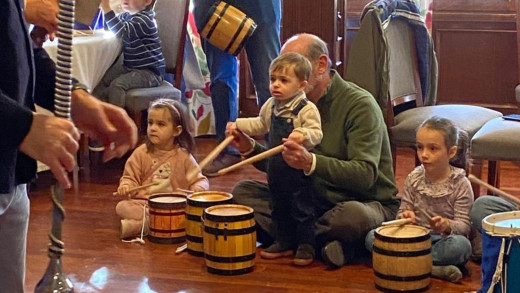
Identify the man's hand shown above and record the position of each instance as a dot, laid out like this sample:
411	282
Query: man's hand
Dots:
54	142
42	13
104	122
296	156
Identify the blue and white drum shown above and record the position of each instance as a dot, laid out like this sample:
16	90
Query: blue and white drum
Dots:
501	253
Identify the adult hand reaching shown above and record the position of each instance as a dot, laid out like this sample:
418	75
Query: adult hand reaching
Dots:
53	141
104	122
42	13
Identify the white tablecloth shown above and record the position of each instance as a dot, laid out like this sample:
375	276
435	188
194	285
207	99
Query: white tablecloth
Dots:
92	56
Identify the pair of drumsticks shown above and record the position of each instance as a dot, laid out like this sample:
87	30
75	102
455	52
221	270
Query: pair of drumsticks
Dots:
214	153
509	197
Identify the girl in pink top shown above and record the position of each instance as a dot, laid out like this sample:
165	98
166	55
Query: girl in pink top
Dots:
164	159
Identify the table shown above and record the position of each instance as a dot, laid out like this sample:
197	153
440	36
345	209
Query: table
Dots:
92	55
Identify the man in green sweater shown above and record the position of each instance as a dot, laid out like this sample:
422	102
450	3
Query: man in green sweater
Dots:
353	181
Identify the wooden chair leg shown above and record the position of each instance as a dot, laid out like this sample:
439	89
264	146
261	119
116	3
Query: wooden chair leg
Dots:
476	170
494	173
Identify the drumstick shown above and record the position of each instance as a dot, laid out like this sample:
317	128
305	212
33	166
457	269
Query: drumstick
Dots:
397	222
253	159
209	158
181	248
509	197
187	192
138	188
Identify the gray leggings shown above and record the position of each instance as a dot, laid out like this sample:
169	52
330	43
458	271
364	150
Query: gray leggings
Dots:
118	79
348	222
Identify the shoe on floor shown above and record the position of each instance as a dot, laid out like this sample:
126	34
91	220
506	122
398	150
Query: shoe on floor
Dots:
449	273
332	255
304	255
223	160
95	146
276	250
132	228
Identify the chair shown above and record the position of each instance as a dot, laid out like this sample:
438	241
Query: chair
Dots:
498	140
400	82
172	17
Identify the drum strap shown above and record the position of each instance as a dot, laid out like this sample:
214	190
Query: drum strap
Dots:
498	272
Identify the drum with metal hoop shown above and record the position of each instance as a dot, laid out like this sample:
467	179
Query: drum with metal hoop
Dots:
229	239
227	27
167	218
401	258
501	253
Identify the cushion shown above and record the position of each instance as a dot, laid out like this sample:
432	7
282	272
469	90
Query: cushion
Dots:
140	98
467	117
497	140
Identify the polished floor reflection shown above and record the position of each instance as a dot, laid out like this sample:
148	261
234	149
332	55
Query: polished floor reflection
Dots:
95	260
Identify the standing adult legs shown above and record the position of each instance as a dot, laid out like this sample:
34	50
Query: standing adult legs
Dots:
14	216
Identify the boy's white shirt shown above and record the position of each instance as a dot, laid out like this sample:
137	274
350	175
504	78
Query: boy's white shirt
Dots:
308	120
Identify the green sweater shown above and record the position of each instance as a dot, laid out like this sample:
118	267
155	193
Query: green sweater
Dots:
353	160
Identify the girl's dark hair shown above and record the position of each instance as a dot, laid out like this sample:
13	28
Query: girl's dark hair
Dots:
452	137
179	117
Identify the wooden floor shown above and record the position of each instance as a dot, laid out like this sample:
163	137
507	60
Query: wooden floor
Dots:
95	260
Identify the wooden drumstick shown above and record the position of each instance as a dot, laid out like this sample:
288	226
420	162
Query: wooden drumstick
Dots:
509	197
397	222
253	159
138	188
209	158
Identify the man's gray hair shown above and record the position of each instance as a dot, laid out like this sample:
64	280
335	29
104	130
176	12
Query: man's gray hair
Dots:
317	48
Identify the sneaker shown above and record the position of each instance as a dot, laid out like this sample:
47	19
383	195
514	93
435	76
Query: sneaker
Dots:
95	146
276	250
332	255
223	160
449	273
304	255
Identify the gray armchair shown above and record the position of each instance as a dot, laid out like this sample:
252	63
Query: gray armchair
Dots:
498	140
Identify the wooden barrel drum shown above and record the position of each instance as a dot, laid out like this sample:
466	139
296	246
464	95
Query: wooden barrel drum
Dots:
167	218
227	28
229	239
401	258
196	203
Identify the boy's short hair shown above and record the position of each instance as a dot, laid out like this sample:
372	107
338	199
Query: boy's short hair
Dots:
301	65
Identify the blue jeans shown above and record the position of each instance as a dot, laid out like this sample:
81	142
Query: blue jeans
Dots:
487	205
446	250
261	48
14	222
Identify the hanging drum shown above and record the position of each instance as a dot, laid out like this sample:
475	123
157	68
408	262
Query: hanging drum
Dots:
227	28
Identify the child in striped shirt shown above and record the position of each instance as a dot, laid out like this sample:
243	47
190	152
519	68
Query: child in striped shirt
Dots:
142	64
